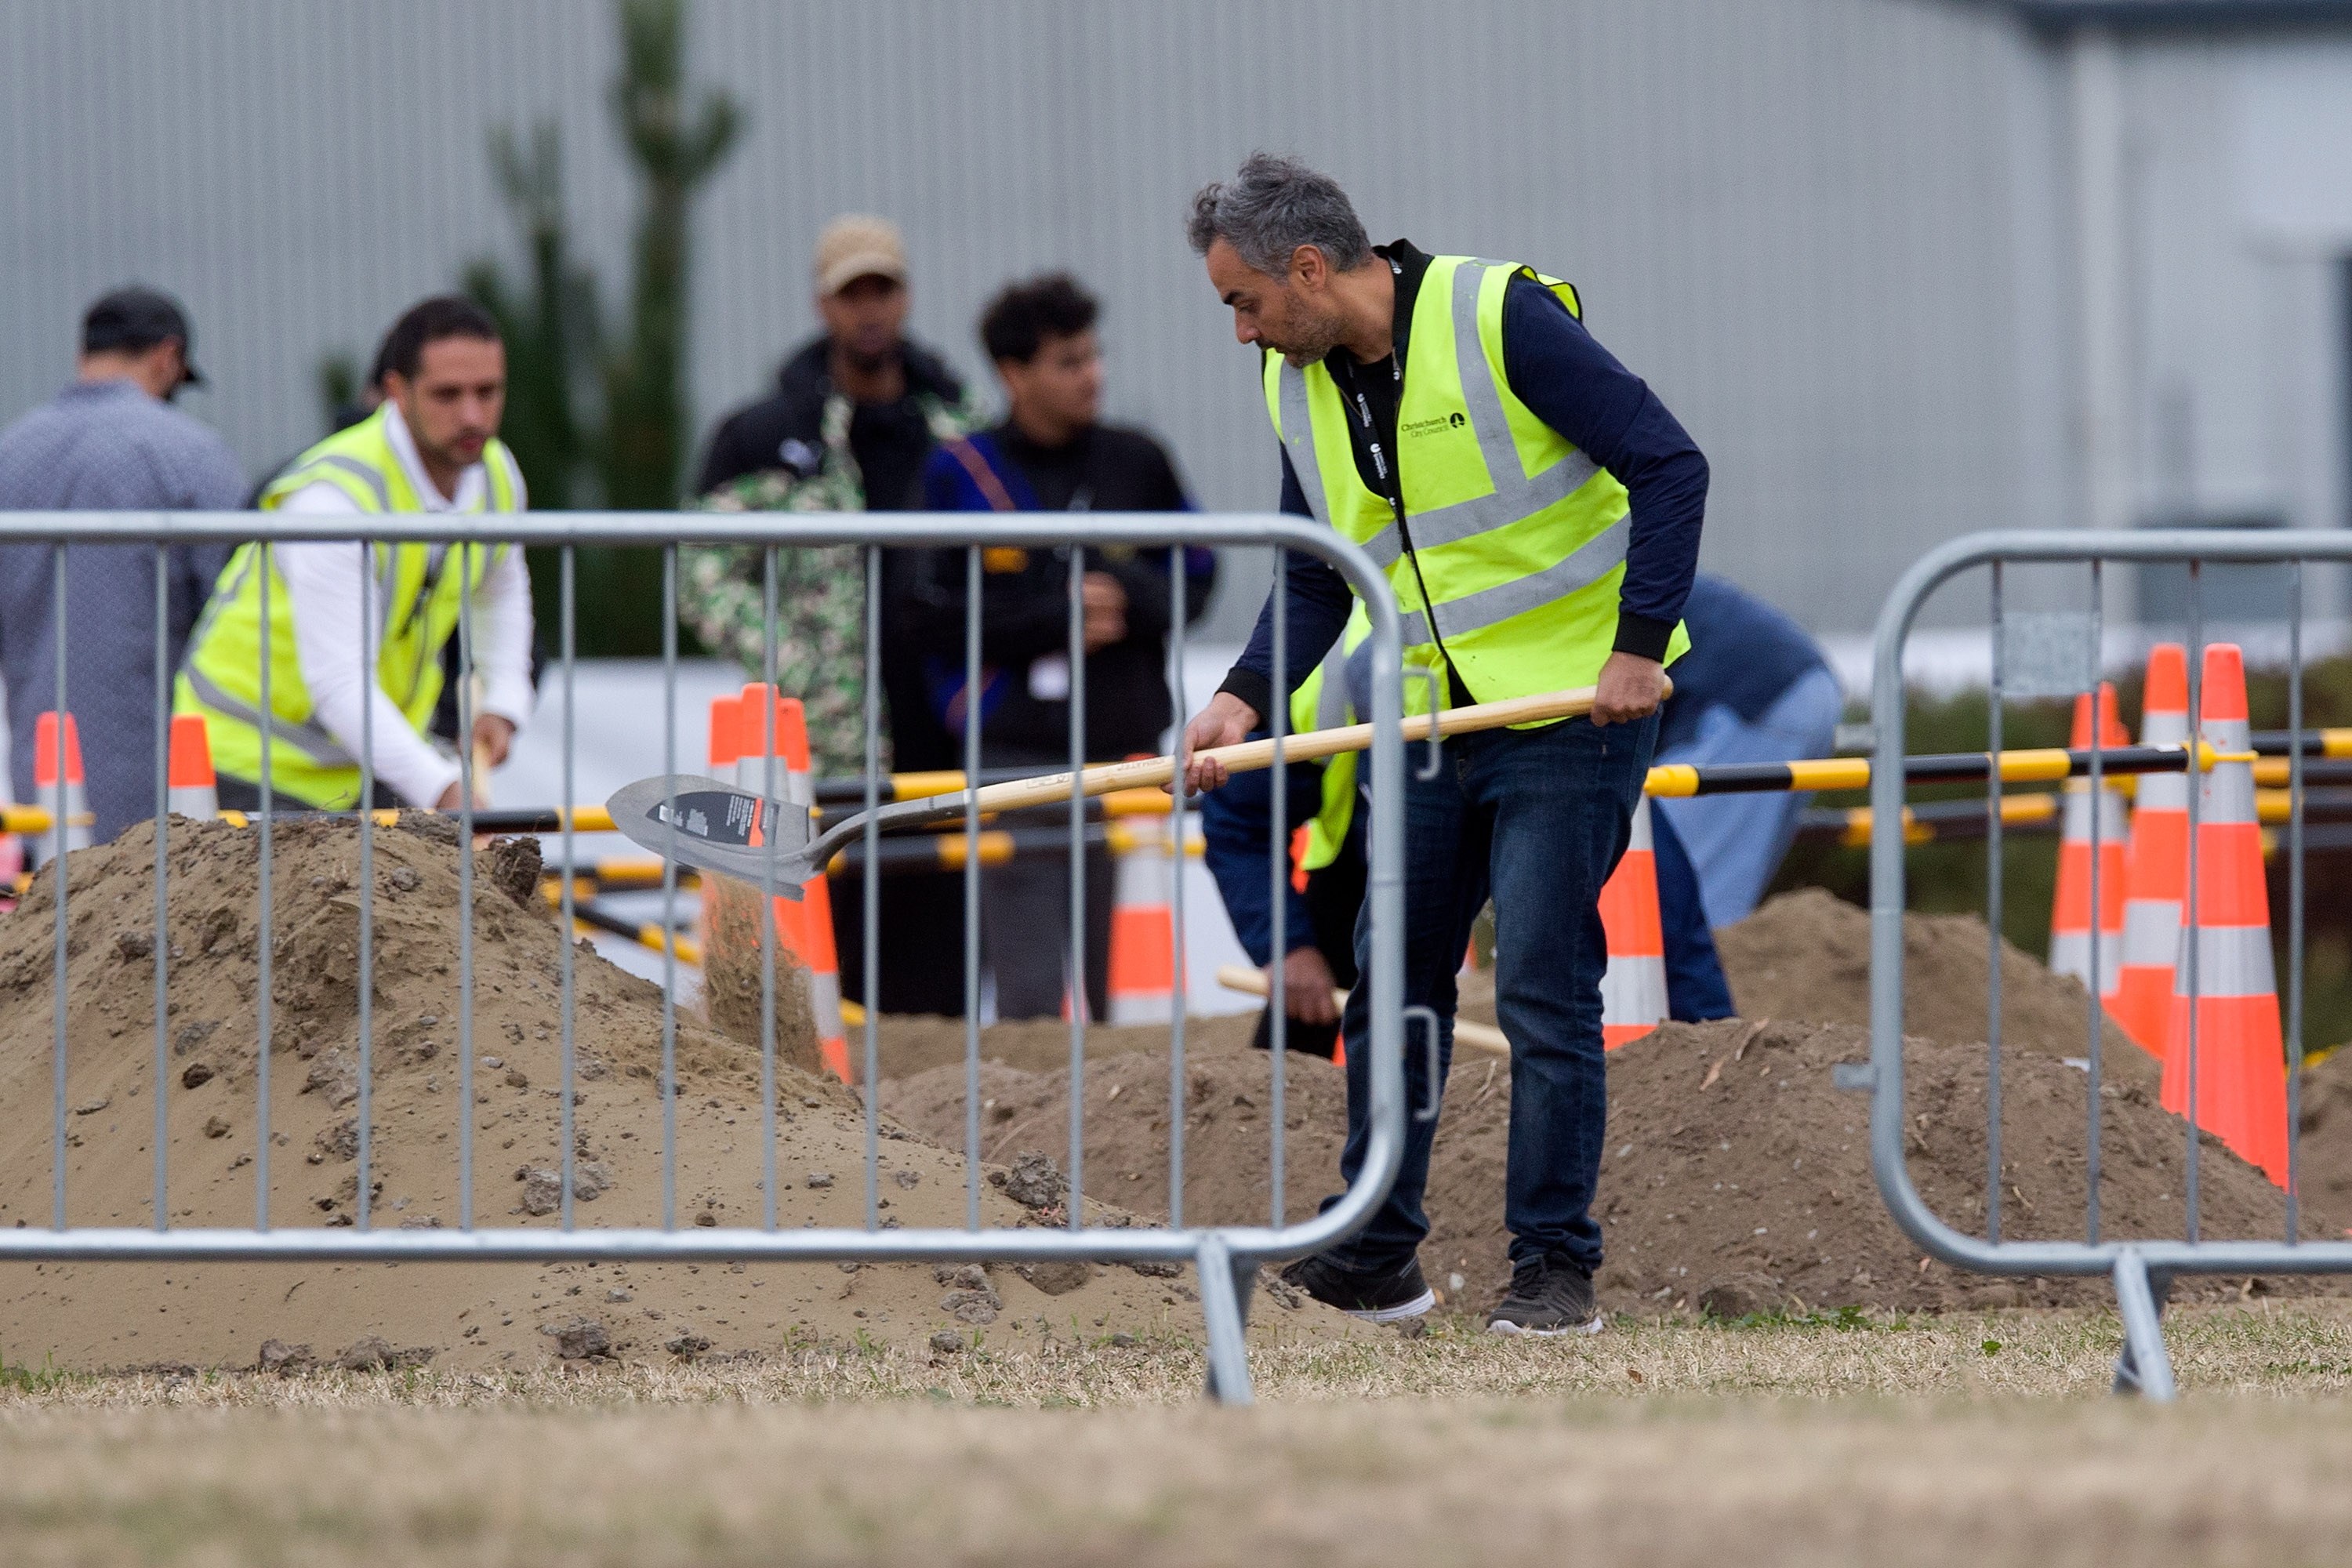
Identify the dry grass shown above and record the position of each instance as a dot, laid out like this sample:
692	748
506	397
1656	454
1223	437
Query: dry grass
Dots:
1928	1440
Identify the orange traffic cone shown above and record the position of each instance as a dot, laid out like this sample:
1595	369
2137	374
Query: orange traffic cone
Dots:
192	790
726	737
769	726
2071	949
2232	1023
1634	987
58	788
2156	874
726	745
1143	930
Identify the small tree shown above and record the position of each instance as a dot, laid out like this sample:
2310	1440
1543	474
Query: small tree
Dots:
550	328
629	453
642	452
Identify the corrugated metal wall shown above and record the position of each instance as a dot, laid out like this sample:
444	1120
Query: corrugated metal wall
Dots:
1802	219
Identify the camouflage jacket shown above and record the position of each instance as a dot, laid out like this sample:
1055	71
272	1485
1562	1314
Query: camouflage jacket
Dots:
820	633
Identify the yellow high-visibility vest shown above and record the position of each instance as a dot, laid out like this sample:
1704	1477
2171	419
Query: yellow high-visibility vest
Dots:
1517	538
420	587
1325	701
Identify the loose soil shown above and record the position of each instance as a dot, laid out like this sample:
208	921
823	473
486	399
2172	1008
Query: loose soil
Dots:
462	1315
1806	955
908	1044
1737	1177
2324	1155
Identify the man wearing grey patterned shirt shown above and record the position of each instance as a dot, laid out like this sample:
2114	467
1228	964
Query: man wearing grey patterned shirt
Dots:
110	442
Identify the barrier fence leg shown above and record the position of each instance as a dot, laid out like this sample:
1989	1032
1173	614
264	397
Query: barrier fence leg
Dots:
1226	1285
2144	1367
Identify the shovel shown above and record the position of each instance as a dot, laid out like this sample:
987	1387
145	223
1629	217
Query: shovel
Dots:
715	826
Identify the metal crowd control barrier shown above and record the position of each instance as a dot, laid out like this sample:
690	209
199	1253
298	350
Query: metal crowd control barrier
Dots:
2141	1268
1225	1256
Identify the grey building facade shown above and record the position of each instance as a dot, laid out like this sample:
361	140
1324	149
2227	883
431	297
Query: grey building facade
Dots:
1905	267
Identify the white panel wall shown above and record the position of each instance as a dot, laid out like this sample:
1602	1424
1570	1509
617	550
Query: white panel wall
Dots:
1830	232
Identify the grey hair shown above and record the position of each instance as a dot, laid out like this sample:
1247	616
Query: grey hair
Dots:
1270	209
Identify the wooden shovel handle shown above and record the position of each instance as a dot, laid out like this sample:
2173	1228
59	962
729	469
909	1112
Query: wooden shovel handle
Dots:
1476	1036
1308	746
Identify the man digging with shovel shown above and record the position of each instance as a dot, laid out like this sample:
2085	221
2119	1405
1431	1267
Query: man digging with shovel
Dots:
1538	512
1546	512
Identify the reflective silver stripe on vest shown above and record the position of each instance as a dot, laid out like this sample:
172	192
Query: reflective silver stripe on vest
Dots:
353	465
1491	607
1360	681
1298	437
312	742
1331	698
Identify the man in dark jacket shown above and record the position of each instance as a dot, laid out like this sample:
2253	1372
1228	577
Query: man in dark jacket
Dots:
1052	453
855	413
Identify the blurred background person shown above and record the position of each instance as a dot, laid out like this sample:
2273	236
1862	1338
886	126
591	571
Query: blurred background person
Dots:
431	446
856	411
111	441
1051	453
1754	689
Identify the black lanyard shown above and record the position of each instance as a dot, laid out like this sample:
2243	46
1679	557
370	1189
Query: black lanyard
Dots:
1390	486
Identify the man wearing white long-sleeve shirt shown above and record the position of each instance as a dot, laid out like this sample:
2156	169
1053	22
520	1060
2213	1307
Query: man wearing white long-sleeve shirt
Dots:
431	446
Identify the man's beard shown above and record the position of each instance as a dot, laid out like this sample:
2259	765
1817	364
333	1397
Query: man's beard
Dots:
1311	340
866	364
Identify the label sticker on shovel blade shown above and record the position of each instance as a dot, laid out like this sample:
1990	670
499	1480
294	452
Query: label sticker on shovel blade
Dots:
717	817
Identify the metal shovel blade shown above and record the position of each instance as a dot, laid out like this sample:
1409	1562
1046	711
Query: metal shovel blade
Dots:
715	827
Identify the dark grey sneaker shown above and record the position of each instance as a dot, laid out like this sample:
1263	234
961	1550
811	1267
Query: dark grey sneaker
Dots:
1548	1297
1375	1296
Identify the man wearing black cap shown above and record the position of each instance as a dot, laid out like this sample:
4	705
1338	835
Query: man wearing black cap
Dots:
110	442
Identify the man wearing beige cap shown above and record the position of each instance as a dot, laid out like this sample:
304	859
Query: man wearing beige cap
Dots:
855	414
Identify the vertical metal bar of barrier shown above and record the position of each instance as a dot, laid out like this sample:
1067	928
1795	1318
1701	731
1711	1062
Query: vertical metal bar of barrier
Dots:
670	866
2098	925
2294	903
1278	862
770	731
1994	913
368	901
263	949
2193	932
162	950
870	912
367	885
972	705
1180	989
669	938
1078	990
568	632
366	1010
57	804
469	715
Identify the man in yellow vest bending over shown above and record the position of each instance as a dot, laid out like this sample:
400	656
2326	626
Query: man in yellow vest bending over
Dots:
431	446
1538	514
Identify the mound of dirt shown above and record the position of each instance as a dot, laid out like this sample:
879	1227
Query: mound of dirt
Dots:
463	1314
1806	955
2324	1155
908	1044
1736	1178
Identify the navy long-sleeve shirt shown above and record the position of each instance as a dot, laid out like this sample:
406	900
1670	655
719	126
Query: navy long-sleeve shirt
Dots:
1570	382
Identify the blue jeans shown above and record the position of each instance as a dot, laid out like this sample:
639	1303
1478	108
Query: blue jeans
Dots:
1537	819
